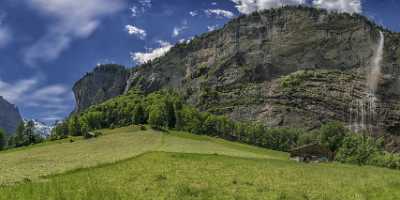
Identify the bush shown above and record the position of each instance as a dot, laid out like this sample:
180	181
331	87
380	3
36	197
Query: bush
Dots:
359	149
332	135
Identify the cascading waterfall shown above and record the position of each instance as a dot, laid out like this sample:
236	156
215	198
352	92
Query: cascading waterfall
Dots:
363	111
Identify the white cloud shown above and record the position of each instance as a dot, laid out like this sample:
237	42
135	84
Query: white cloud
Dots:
30	93
134	11
219	13
140	57
212	28
140	7
193	13
72	20
5	33
249	6
349	6
138	32
145	3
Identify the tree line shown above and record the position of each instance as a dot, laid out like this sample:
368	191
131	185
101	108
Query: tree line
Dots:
165	110
24	136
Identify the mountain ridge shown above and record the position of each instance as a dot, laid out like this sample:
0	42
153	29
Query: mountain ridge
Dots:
241	70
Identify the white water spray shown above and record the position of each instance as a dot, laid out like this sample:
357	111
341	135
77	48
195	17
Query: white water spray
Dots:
375	68
363	111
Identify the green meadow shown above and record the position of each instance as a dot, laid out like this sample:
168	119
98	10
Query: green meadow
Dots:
128	163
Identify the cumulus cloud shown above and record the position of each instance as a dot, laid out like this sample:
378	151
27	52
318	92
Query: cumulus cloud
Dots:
138	32
140	57
140	7
193	13
349	6
72	20
219	13
30	93
249	6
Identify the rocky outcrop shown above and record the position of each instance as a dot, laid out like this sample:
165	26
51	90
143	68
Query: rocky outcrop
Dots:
105	82
10	117
293	66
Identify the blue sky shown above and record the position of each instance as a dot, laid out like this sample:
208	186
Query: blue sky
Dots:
47	45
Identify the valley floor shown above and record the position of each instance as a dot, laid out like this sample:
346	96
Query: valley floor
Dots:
131	164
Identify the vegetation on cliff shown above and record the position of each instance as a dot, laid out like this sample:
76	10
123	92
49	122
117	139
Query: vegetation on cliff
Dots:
166	110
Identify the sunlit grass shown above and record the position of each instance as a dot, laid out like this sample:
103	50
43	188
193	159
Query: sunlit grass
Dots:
131	164
160	175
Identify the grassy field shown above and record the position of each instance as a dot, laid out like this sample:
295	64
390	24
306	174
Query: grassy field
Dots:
131	164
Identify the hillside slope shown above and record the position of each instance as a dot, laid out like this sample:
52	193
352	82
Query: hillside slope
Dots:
38	161
238	70
131	164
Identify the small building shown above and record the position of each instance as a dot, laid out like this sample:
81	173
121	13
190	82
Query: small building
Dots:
312	153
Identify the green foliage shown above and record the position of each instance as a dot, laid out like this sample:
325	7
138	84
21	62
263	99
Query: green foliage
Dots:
74	126
332	135
139	114
3	139
295	79
20	137
359	149
60	131
157	117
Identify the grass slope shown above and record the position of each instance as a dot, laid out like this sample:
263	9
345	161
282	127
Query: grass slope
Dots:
182	166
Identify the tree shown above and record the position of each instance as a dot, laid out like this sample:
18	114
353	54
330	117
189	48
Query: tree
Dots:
156	117
139	115
74	126
85	129
60	131
359	149
30	132
20	137
3	139
170	114
332	135
11	142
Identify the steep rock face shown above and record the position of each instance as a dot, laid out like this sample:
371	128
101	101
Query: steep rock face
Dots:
235	70
105	82
10	117
294	66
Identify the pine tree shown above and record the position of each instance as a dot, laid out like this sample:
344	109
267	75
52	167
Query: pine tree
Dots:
30	133
3	140
20	137
170	114
139	115
74	126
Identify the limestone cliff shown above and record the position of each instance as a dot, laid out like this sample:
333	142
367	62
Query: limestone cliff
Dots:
293	66
10	117
105	82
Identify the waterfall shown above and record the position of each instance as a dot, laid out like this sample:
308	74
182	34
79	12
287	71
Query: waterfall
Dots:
375	68
363	111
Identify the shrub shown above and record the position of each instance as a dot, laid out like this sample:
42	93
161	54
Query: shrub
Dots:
359	149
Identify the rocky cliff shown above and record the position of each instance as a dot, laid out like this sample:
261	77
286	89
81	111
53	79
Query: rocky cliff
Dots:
105	82
10	117
293	66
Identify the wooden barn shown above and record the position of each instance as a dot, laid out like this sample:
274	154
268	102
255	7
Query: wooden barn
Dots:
312	153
